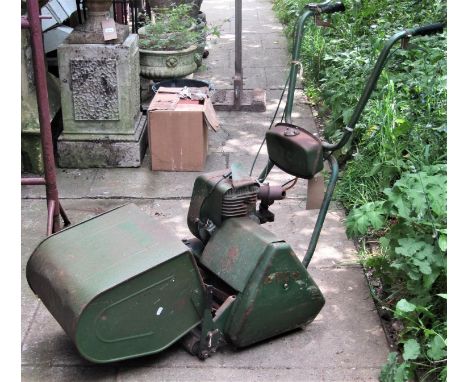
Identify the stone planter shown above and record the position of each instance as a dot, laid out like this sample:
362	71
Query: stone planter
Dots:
161	64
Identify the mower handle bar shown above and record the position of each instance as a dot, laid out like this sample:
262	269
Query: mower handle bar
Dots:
311	9
326	7
427	30
374	76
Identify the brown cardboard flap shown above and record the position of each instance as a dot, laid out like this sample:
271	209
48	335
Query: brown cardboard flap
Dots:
163	89
193	90
168	99
210	116
163	101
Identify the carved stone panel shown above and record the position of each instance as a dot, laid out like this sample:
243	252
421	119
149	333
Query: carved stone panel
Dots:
94	89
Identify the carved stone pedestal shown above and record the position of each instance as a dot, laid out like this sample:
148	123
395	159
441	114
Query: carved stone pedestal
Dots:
100	93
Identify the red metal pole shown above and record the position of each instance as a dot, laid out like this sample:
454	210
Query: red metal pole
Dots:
44	115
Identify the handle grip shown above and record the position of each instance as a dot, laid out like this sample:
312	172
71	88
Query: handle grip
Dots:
427	30
327	7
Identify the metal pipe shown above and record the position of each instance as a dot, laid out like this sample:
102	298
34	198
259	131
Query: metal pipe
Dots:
295	62
78	11
33	181
43	108
323	211
64	216
266	171
50	217
238	75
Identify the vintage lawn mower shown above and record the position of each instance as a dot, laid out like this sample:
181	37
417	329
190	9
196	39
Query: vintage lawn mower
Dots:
122	286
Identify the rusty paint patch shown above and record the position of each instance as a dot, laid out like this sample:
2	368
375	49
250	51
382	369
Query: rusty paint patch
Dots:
281	277
230	259
247	312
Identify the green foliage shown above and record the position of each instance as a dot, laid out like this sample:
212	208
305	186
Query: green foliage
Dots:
414	264
395	184
171	29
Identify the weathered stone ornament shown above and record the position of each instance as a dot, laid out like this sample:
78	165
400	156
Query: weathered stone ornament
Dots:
102	122
91	31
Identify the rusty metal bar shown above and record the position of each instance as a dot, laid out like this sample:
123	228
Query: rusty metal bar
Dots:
50	216
39	67
64	216
33	182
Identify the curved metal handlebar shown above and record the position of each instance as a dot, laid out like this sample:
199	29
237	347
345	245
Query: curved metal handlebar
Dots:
309	10
326	7
374	76
427	30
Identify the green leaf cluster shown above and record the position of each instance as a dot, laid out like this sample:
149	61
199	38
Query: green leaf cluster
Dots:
170	29
413	266
395	180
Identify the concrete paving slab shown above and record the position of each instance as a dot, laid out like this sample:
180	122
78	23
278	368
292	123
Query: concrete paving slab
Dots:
70	182
217	374
65	373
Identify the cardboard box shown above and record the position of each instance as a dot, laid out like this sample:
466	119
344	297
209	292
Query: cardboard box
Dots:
178	130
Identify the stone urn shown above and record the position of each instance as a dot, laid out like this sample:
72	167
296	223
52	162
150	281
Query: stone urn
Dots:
91	31
160	64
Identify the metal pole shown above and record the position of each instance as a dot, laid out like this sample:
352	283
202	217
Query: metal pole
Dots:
44	116
323	211
238	85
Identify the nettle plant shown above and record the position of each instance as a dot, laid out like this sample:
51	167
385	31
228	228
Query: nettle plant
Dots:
412	223
170	29
415	243
175	29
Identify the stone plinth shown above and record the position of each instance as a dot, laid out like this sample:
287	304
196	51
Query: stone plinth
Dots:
91	151
100	92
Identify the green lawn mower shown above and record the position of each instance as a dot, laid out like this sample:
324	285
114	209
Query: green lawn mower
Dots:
122	286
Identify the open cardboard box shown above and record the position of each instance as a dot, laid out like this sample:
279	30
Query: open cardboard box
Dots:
178	130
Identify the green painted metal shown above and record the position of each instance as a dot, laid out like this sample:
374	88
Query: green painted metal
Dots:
276	293
235	250
119	284
294	150
299	34
207	199
323	210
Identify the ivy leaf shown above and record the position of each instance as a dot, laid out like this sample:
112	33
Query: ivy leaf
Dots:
402	373
361	219
411	349
409	247
404	306
443	243
437	348
423	266
347	113
430	279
